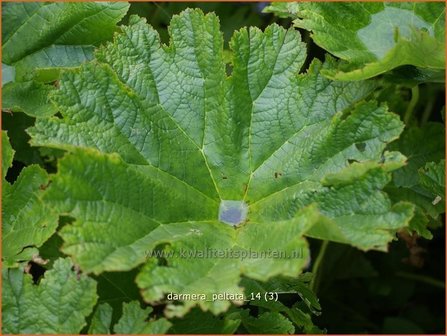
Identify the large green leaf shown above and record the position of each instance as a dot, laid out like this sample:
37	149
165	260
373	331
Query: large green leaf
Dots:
188	139
57	305
27	221
40	39
109	248
373	37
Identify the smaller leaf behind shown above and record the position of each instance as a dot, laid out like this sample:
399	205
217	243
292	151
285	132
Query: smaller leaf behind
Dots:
101	320
267	323
7	154
65	38
209	324
421	180
135	321
373	37
57	305
27	220
432	178
300	313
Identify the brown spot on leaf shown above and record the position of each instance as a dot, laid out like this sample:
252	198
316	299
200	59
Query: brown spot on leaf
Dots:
27	268
39	260
77	270
45	186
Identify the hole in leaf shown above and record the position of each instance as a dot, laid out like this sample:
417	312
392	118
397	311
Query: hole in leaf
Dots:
14	172
361	146
36	271
44	186
159	253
